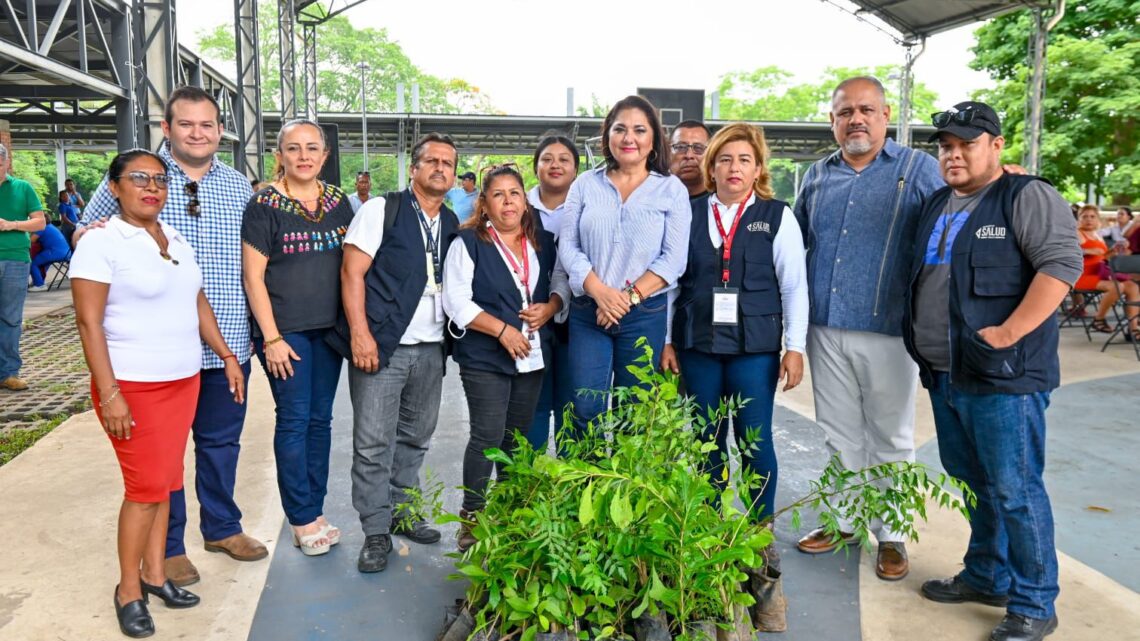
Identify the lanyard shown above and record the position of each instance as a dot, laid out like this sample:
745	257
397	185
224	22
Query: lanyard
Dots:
524	272
726	239
432	243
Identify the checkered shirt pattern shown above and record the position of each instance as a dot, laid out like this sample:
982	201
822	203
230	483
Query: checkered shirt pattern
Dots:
215	236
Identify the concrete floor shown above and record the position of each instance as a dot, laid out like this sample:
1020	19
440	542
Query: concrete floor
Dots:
56	576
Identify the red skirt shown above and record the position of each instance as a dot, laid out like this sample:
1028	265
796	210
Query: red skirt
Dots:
151	460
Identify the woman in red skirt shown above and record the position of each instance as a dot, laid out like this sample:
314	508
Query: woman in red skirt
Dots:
142	314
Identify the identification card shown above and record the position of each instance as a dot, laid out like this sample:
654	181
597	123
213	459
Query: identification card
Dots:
725	307
532	362
438	307
429	287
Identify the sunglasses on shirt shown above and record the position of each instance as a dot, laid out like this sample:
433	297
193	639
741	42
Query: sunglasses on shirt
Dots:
194	207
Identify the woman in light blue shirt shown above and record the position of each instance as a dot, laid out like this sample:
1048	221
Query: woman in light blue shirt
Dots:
624	242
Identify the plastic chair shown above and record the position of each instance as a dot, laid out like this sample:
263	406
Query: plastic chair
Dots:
61	266
1123	265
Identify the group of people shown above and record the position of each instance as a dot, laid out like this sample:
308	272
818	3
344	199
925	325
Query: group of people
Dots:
893	267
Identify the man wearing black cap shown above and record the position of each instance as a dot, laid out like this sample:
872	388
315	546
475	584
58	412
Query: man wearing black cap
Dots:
996	255
462	199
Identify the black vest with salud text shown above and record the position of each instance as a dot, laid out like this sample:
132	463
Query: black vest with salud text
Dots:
752	271
989	276
395	283
494	289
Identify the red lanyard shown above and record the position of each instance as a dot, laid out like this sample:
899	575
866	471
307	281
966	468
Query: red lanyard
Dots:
726	253
524	272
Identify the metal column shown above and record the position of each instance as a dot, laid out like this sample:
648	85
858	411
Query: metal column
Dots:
1034	111
158	37
309	44
249	150
129	120
287	42
906	93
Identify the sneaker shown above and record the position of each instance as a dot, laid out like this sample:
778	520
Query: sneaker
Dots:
38	288
374	553
15	384
415	530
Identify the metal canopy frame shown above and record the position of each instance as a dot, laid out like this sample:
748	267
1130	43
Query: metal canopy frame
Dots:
913	21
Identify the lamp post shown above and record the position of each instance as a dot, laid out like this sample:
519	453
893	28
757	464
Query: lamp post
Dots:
363	67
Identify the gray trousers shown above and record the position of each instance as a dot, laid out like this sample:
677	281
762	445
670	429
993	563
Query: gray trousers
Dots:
395	412
864	386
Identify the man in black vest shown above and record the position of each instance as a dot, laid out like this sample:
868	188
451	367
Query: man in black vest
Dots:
996	255
391	283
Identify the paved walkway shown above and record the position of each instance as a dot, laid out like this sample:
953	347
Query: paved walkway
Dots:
64	492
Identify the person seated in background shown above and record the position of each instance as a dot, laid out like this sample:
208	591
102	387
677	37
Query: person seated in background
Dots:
53	247
1096	275
1113	235
68	215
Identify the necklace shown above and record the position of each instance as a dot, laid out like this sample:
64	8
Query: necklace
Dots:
315	216
163	245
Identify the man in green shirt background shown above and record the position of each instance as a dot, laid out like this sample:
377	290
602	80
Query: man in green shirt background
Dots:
21	213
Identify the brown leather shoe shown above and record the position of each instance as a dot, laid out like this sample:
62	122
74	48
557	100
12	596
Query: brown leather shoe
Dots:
14	383
465	537
818	541
240	547
181	571
892	563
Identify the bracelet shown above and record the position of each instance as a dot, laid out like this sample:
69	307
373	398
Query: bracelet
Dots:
502	330
274	340
230	355
110	398
638	291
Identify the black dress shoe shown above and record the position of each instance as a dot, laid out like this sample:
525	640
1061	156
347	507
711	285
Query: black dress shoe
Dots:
374	554
134	619
1015	627
172	595
416	531
955	590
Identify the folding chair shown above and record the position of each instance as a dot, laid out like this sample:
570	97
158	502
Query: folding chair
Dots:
1123	265
1080	313
61	266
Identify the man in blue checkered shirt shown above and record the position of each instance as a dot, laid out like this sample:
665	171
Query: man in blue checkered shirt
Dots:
205	203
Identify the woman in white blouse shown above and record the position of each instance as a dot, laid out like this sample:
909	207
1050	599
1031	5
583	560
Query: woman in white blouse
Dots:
499	292
742	297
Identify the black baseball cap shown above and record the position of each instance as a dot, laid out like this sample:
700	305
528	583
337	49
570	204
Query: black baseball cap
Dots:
966	120
467	176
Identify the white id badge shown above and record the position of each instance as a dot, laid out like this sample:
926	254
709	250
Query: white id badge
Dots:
725	306
438	307
531	362
429	286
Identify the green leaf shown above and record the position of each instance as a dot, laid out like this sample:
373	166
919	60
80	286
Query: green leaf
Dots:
620	510
496	455
473	571
586	505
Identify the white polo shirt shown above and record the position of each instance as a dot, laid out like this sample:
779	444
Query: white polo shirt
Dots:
151	318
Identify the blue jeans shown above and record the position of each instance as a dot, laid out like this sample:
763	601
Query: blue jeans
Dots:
600	355
556	394
996	444
42	260
303	433
13	291
710	378
217	426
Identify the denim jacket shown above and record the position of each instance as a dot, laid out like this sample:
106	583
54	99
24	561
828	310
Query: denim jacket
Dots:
859	228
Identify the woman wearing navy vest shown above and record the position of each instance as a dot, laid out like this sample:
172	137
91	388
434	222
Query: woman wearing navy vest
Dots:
497	290
743	293
623	242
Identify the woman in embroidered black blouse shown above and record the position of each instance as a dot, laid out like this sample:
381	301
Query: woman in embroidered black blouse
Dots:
292	233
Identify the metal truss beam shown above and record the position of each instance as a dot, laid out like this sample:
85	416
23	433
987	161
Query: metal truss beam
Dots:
158	38
309	43
287	48
248	156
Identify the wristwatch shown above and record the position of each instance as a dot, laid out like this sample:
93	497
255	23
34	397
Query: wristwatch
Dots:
634	295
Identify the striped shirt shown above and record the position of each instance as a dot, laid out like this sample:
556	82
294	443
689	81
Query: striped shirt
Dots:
619	241
215	236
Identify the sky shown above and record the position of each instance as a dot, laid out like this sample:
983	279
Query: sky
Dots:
524	54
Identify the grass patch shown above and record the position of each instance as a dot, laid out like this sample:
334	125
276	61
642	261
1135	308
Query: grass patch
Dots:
15	440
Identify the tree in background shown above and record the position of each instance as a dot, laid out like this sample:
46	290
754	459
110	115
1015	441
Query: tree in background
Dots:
767	94
340	48
1091	141
38	168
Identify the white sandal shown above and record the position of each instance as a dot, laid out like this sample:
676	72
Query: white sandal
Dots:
310	544
332	532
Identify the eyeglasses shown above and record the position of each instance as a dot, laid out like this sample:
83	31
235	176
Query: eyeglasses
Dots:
684	147
490	168
141	179
194	207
